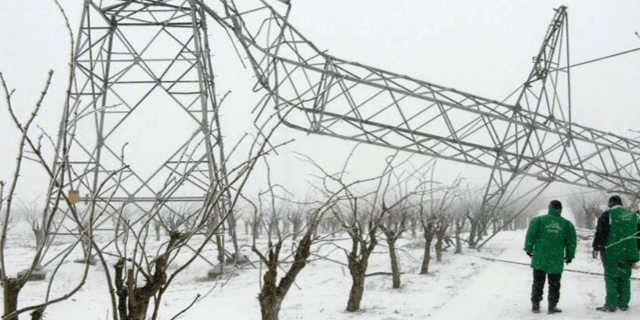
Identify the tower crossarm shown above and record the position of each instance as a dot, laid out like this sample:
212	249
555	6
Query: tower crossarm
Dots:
321	94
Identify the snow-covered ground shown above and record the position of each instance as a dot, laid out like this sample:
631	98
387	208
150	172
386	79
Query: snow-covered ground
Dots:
460	287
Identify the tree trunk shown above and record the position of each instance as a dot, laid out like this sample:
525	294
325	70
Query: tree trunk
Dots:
271	294
590	219
133	302
482	228
439	248
357	287
395	269
427	254
296	229
440	233
414	224
255	229
459	226
358	260
270	308
39	233
139	311
12	289
37	314
86	247
268	297
472	234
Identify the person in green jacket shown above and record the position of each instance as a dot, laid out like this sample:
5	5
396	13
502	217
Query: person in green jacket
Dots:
617	241
551	240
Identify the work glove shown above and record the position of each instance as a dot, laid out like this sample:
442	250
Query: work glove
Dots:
595	254
529	254
568	260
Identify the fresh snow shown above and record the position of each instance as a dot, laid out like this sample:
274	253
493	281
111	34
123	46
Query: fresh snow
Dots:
462	286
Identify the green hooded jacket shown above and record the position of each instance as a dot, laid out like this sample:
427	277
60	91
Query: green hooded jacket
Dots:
551	238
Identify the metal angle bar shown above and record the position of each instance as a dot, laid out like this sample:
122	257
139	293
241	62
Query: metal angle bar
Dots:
300	58
335	81
117	157
121	121
179	54
404	118
91	44
635	161
321	95
131	13
394	102
198	183
141	62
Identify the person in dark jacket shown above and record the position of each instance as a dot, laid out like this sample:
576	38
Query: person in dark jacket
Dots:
617	241
551	240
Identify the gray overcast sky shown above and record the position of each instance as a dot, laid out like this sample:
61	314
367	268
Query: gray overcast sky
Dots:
480	47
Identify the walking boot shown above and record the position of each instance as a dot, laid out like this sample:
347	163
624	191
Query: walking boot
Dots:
605	309
554	309
535	306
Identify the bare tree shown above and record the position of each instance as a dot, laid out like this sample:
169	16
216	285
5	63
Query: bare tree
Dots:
587	207
56	203
353	209
434	217
273	289
441	231
247	225
393	228
471	201
428	223
413	222
297	217
30	148
459	225
31	215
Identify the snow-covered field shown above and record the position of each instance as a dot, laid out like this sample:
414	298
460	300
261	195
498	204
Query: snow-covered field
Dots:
460	287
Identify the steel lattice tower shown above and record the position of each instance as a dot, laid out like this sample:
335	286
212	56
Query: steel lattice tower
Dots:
139	59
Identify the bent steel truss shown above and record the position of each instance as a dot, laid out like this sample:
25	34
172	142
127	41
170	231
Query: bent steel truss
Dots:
532	136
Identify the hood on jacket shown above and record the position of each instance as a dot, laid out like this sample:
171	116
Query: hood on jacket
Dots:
555	212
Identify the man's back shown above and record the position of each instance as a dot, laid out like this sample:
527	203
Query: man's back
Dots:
549	237
622	241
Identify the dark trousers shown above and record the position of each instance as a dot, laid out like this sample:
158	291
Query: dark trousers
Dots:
539	278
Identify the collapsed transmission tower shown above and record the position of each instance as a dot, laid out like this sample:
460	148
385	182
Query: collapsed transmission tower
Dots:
130	51
141	60
531	133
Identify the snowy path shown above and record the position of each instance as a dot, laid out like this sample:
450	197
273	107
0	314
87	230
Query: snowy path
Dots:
502	291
